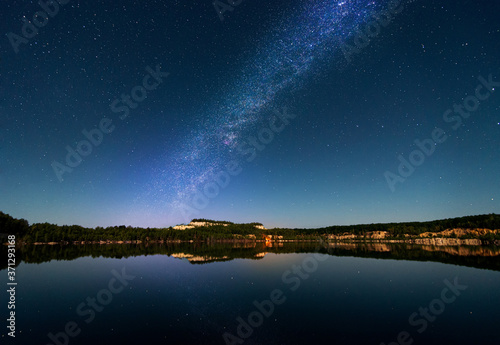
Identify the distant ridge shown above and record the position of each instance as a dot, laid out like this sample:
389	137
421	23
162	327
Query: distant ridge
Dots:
199	223
481	229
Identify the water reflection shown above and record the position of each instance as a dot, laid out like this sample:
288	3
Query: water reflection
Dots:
202	253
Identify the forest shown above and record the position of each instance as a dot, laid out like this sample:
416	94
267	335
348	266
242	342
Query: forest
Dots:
46	232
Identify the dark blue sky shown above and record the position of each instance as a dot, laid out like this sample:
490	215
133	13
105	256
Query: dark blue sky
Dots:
292	113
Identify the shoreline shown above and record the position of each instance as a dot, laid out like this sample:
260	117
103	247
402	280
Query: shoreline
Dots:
435	241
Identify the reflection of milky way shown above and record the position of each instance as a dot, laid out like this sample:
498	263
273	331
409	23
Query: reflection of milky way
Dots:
283	60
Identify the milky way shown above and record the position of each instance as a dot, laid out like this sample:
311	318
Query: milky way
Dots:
284	59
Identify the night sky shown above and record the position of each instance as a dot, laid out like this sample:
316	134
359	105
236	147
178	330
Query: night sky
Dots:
295	113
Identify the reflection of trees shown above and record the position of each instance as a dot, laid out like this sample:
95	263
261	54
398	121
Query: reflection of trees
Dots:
197	253
485	257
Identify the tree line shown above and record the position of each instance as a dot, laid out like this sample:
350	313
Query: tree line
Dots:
46	232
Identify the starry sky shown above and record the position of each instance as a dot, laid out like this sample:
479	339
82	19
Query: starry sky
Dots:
294	113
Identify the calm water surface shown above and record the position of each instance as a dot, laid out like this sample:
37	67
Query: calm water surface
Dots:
275	298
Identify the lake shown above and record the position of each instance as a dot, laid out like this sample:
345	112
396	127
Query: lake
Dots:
253	293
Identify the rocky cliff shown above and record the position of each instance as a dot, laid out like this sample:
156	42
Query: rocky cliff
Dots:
449	237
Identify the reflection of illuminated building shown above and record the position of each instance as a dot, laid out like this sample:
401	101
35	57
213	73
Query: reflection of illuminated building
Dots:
270	239
196	258
208	258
